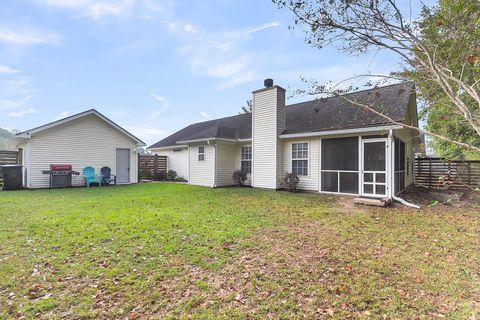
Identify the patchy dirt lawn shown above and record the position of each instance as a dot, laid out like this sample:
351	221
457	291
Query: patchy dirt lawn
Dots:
233	253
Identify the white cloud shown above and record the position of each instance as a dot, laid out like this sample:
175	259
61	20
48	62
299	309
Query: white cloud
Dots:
10	104
62	115
164	106
146	133
96	9
205	115
221	55
7	70
189	28
21	113
157	97
117	113
238	80
27	36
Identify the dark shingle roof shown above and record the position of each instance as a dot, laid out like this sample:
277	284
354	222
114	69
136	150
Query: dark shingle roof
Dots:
323	114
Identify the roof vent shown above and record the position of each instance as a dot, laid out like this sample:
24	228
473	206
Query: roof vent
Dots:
268	83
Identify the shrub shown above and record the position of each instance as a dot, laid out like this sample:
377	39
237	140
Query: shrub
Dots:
171	174
159	176
180	179
239	177
290	181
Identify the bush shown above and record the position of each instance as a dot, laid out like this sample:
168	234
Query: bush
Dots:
290	181
180	179
171	174
239	177
159	176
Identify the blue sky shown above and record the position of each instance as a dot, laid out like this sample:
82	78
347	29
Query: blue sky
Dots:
153	66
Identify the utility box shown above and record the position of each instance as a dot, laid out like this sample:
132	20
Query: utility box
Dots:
12	177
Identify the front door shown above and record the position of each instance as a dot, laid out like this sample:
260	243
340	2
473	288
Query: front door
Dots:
374	171
123	166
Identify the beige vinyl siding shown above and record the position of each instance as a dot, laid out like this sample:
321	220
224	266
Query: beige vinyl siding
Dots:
405	136
176	160
265	139
309	182
280	129
410	137
202	173
225	164
87	141
238	160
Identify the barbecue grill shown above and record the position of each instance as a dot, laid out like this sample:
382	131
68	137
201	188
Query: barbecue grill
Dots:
60	175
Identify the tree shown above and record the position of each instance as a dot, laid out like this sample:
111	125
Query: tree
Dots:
356	27
6	139
247	108
441	117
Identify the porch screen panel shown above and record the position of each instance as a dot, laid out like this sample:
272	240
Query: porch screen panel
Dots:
340	154
374	156
340	165
399	165
330	181
348	182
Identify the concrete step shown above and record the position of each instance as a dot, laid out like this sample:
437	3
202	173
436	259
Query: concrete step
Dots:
382	202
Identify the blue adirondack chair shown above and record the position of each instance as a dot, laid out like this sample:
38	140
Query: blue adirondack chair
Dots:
91	177
107	176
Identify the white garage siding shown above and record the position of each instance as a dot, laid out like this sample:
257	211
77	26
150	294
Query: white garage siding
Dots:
176	160
86	141
309	182
202	173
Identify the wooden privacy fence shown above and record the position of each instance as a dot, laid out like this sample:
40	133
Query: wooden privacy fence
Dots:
8	157
152	167
443	174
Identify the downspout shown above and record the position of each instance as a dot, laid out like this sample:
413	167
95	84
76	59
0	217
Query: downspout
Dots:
392	175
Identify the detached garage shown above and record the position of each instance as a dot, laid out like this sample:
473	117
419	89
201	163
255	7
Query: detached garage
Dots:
85	139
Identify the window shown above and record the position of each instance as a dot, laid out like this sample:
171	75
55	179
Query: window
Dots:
246	157
201	153
339	171
300	158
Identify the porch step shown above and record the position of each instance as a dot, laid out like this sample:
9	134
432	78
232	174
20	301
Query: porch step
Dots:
383	202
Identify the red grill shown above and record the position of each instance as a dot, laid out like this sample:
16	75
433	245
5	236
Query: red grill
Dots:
60	175
61	167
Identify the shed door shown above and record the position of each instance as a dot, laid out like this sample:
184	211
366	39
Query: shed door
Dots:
123	165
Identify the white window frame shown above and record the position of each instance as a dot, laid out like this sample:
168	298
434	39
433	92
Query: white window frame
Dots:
201	153
374	183
320	170
246	160
302	158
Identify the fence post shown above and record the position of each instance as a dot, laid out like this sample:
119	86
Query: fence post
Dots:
155	167
430	173
139	174
469	171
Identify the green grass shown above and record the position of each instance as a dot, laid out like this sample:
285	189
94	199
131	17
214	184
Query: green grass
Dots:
174	251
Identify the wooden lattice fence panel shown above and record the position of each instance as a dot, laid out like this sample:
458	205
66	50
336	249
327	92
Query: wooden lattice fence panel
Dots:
7	157
152	167
444	174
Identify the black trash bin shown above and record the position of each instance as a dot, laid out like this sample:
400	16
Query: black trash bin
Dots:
12	177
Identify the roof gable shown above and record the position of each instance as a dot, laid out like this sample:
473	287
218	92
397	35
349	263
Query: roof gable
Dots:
28	133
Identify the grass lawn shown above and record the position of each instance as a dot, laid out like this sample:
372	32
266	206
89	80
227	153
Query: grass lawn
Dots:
175	251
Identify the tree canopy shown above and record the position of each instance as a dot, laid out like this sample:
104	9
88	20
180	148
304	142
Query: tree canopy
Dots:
428	47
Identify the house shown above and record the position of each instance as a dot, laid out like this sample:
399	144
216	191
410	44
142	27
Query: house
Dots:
85	139
332	144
